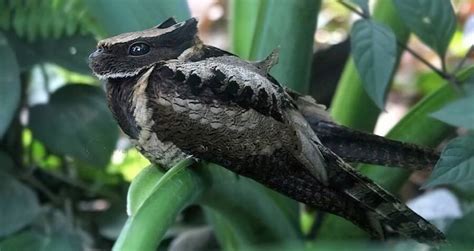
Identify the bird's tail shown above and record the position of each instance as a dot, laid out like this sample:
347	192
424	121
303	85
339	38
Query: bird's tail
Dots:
383	211
359	147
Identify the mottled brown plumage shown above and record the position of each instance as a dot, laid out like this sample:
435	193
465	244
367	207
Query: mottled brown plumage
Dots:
182	98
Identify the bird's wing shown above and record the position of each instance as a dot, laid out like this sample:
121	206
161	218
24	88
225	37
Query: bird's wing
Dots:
233	82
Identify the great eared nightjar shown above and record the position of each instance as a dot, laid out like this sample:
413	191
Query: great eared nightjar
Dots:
177	97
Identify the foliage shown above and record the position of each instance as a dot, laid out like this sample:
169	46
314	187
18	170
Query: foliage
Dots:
65	166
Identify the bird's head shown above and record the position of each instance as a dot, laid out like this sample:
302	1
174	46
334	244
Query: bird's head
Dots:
126	55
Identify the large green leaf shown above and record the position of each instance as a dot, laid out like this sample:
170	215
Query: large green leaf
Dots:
24	241
458	113
350	98
19	205
460	232
433	21
456	165
10	86
76	122
118	16
374	49
289	25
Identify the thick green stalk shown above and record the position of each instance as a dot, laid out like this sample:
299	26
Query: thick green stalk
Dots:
152	216
351	106
290	26
243	21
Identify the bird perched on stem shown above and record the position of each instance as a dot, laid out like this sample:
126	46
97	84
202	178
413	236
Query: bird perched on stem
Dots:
177	97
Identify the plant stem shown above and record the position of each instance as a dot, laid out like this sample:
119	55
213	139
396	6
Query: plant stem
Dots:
144	230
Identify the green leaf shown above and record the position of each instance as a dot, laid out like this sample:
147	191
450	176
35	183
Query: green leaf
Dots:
112	221
364	5
10	86
374	49
118	16
433	21
24	241
456	165
19	205
76	122
458	113
350	92
460	231
6	163
58	232
289	25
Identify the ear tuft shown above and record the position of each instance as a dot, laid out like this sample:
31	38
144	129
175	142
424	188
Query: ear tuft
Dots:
167	23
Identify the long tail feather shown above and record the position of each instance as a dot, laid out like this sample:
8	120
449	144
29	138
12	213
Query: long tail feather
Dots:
386	210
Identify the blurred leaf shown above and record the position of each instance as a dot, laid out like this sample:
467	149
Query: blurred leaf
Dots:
76	122
289	25
458	113
29	21
364	5
118	16
460	231
112	221
243	21
58	232
456	165
433	21
24	241
6	163
19	205
374	49
71	53
10	86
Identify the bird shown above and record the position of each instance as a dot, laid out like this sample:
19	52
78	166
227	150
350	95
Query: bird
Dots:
176	98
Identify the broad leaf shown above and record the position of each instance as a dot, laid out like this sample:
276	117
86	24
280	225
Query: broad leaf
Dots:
118	16
374	49
19	205
458	113
456	165
10	86
433	21
24	241
76	122
460	231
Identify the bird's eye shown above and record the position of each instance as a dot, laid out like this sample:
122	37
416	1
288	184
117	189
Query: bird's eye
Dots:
138	49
